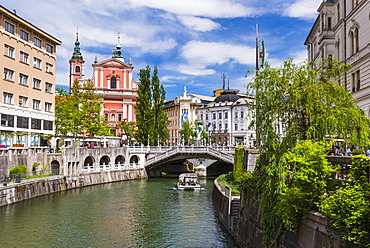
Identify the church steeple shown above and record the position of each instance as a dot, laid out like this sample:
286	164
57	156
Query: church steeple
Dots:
76	51
117	53
76	64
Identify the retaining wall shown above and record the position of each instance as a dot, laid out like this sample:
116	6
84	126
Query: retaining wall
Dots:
26	189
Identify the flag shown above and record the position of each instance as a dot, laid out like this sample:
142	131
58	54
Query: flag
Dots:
209	124
261	54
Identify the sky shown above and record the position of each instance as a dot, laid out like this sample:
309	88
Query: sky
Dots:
192	42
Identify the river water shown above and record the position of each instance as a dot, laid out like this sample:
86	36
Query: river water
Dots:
138	213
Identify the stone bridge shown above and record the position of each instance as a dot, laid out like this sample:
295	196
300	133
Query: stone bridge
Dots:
73	161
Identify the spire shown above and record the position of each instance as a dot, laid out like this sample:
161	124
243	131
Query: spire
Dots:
76	51
117	53
96	59
223	77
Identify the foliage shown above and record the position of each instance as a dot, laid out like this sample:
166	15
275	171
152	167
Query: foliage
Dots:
93	123
360	170
238	162
296	103
18	169
150	117
187	133
349	211
228	180
129	129
79	111
304	177
357	152
35	166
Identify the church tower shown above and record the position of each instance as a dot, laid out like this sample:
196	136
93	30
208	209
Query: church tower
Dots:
76	64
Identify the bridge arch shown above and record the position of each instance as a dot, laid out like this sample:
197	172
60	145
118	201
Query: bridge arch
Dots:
55	167
119	161
104	162
89	162
134	161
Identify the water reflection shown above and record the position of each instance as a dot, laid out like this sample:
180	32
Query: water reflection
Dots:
141	213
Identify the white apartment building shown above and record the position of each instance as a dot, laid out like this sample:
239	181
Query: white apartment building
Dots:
342	31
227	120
27	84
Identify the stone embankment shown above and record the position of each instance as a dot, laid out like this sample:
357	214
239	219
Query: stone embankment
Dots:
26	189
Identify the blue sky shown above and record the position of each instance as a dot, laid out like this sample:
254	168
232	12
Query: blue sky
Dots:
192	42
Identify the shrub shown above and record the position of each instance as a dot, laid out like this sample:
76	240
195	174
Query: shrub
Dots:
18	169
357	152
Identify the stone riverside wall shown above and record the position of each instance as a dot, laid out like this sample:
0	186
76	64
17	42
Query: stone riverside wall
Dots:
313	231
16	192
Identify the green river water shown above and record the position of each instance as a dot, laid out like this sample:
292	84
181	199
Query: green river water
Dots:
138	213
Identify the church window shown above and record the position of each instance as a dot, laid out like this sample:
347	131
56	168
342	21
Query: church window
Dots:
78	69
113	83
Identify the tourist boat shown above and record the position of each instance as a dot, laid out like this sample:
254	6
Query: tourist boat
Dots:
188	181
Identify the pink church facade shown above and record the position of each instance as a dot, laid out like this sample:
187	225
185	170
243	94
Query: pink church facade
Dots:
113	82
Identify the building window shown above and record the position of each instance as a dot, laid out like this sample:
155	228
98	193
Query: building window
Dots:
48	125
24	35
37	42
358	85
37	63
7	98
48	107
49	68
7	120
357	38
49	48
220	126
338	12
36	83
23	79
77	69
206	117
242	114
226	115
36	124
36	104
226	126
201	117
22	122
8	74
23	101
236	114
9	27
113	83
9	51
113	117
214	116
23	57
219	115
119	117
236	126
48	87
329	23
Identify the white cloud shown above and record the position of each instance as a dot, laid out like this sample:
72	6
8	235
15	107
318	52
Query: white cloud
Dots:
200	55
172	78
303	9
206	8
198	24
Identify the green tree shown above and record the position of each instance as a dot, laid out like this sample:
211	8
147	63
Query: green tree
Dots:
296	103
187	133
143	108
93	122
129	129
79	111
151	120
160	119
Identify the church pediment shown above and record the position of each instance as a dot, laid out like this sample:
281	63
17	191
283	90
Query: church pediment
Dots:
113	62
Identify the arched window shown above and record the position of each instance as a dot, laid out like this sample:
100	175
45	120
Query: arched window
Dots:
113	83
113	117
352	38
77	68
